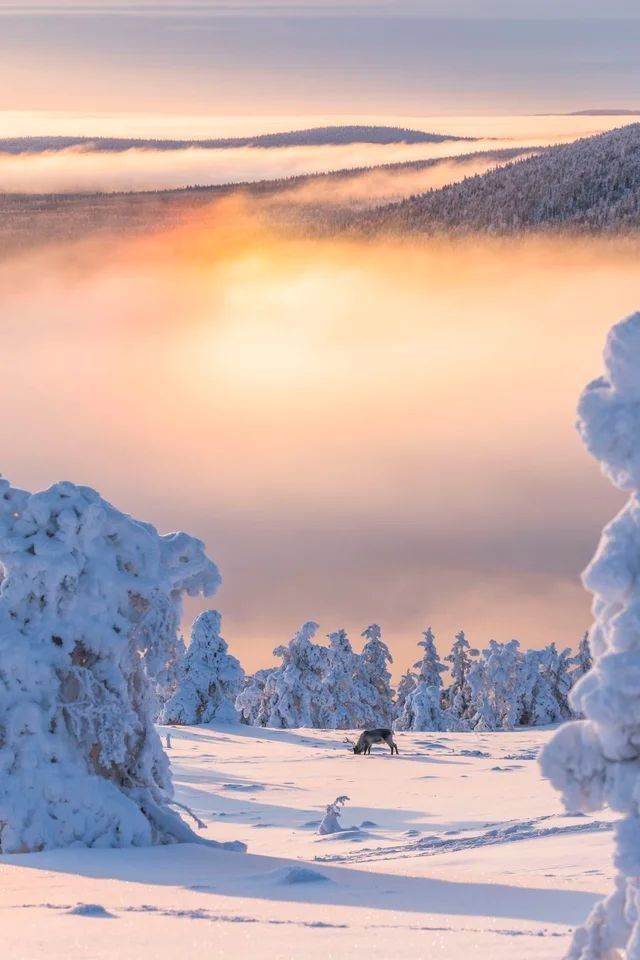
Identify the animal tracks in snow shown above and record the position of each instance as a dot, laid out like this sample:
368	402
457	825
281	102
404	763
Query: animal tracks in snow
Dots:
502	833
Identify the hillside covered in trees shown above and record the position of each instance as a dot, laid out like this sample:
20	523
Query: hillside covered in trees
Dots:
311	137
590	185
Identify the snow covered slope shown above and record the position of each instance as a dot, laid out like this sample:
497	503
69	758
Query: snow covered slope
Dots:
592	184
458	849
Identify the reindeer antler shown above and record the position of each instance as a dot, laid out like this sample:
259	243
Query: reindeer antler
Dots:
350	742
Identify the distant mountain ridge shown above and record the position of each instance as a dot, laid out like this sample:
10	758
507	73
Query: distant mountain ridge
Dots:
312	137
604	113
592	185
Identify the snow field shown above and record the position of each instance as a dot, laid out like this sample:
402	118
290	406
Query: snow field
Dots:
461	850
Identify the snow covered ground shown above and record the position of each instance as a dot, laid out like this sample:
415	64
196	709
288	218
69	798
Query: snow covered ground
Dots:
461	851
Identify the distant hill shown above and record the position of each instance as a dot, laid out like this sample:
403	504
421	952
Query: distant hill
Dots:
31	220
604	113
313	137
592	184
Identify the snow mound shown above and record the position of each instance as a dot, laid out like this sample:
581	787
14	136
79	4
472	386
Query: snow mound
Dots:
292	876
95	910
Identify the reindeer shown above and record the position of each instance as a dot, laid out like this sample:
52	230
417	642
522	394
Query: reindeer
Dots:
369	737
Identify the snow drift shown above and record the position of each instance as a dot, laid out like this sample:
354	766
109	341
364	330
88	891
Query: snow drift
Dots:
89	609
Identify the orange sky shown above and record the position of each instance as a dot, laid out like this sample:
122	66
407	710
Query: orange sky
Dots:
359	433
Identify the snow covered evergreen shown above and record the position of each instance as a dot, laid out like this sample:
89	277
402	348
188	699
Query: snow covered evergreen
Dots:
373	680
423	708
83	588
294	690
252	702
596	761
592	184
493	681
341	707
430	668
209	679
458	693
582	661
406	685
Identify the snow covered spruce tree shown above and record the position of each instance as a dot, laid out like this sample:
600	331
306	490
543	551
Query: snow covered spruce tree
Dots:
422	708
252	702
596	761
80	586
543	681
458	694
341	707
295	690
406	685
373	680
162	623
493	681
209	679
582	661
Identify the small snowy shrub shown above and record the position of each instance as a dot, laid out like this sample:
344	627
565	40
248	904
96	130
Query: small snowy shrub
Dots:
596	761
89	607
331	821
209	680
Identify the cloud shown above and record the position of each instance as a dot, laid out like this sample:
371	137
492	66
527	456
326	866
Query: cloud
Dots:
356	430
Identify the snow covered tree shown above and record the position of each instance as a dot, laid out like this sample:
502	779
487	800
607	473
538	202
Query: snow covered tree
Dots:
340	708
544	681
295	689
596	761
330	823
430	667
406	685
422	710
253	702
80	587
167	681
582	661
209	680
458	693
493	681
373	680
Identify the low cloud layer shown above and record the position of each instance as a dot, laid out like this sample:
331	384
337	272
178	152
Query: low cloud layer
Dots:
78	170
359	432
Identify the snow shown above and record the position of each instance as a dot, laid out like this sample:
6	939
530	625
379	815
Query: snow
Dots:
209	678
90	602
462	851
596	761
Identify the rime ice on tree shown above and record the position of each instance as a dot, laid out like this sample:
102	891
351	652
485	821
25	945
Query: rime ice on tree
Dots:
406	685
458	693
373	680
209	678
253	701
422	709
83	588
295	690
341	707
596	761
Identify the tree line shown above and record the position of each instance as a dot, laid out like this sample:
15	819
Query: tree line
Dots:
331	686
